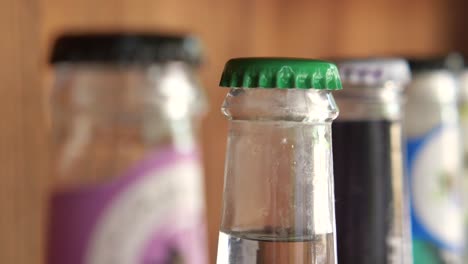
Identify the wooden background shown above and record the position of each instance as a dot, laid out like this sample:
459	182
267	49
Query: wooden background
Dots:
320	28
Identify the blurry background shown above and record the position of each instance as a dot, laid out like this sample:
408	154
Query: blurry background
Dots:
302	28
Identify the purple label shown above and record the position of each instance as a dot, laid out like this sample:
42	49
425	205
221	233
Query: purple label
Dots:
153	214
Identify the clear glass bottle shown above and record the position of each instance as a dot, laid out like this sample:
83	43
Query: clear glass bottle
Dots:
372	209
278	204
434	160
127	180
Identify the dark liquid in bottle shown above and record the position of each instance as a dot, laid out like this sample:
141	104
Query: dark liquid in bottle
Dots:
367	171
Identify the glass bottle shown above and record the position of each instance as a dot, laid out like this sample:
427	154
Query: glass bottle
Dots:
278	190
463	112
127	180
372	212
434	160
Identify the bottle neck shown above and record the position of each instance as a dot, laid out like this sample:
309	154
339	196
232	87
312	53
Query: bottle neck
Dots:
278	177
431	102
121	113
169	88
288	105
359	103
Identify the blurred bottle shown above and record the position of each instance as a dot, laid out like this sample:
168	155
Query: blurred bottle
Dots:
127	184
434	159
463	110
278	192
463	107
372	210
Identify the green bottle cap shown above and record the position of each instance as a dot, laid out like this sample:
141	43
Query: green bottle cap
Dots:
281	73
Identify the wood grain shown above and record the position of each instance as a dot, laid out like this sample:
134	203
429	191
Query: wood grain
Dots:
23	145
228	29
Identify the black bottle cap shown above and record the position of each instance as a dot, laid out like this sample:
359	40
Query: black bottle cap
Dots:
126	48
452	62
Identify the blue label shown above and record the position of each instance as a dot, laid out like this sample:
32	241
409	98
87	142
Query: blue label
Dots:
434	163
